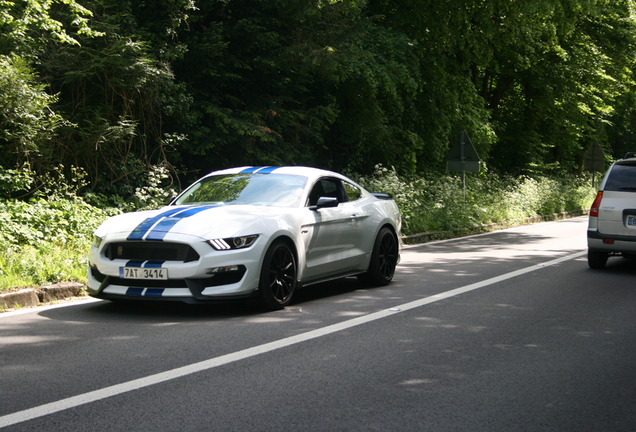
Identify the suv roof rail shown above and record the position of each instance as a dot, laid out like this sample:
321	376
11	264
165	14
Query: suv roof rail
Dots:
630	155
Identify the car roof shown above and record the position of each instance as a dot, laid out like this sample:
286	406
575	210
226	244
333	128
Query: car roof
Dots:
629	159
309	172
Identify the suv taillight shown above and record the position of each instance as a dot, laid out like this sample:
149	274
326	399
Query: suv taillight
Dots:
596	204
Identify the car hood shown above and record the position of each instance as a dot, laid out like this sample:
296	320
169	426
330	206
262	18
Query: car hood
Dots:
205	221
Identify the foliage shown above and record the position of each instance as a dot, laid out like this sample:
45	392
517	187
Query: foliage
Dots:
15	181
112	89
26	120
154	193
440	203
45	241
27	26
30	266
549	73
194	86
46	238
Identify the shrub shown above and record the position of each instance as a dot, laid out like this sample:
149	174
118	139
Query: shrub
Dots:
440	203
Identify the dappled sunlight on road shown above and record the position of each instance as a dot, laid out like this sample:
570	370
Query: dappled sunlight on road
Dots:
268	319
480	256
32	340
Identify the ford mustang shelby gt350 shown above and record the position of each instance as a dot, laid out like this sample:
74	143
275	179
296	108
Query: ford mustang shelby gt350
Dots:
248	232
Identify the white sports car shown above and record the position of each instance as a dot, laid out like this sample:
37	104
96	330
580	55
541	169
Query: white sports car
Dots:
248	232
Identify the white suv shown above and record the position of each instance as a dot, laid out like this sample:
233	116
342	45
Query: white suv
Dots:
612	223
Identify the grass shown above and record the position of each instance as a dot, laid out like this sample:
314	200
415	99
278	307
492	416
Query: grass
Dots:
26	266
46	241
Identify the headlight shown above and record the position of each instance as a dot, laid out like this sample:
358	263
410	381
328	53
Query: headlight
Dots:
97	241
233	242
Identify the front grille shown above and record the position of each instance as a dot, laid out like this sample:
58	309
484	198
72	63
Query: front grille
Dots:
150	251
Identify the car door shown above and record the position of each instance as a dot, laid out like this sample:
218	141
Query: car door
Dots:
333	235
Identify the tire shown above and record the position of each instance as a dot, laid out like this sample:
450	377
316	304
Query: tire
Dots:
278	277
383	260
597	260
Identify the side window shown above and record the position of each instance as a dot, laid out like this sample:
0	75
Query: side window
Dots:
326	187
330	188
353	193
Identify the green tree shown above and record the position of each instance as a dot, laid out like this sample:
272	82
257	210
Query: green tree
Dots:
546	72
288	82
27	122
117	89
28	26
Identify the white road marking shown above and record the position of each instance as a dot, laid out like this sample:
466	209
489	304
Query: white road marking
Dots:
71	402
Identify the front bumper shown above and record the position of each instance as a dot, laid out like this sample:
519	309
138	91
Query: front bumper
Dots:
189	281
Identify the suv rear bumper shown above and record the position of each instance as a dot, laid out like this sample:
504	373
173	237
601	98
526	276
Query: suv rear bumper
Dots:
621	244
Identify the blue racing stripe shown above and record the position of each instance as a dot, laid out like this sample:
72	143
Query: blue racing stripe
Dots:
250	170
141	229
134	263
153	264
156	228
267	170
134	291
154	292
160	230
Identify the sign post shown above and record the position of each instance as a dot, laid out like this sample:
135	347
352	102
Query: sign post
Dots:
594	160
463	157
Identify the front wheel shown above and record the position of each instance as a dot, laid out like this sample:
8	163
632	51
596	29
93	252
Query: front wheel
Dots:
278	276
597	260
384	259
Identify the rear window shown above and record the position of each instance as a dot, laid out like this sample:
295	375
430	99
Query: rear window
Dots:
621	178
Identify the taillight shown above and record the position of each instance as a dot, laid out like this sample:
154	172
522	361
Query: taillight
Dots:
596	204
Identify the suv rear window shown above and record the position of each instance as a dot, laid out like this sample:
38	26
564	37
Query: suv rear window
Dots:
622	178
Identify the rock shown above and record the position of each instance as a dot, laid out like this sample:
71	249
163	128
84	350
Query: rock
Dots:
22	298
59	291
30	297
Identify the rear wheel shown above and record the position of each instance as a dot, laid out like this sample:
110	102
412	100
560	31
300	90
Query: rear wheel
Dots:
383	259
597	260
278	276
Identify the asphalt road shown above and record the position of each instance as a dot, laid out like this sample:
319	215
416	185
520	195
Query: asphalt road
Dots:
508	331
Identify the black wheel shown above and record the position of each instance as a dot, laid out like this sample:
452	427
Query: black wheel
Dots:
384	259
278	277
597	260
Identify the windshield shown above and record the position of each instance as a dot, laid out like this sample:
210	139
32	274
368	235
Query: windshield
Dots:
278	190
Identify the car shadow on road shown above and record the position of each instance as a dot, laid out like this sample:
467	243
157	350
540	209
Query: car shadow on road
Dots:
618	265
158	310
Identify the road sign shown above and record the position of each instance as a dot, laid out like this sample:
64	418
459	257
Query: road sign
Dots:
463	156
594	158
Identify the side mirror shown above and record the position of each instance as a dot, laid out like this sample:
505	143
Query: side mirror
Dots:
324	202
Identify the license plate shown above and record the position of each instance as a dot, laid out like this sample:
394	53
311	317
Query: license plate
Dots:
631	220
143	273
